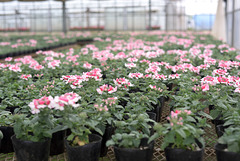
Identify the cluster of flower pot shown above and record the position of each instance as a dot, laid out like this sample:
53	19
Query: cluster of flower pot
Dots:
111	93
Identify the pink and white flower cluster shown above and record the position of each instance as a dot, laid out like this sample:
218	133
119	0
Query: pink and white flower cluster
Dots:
106	88
23	76
75	81
58	102
122	82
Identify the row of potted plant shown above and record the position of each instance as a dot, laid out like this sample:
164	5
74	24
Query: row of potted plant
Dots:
15	45
109	87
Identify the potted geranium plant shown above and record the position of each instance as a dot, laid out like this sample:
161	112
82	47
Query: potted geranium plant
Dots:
81	143
131	136
6	128
1	136
183	136
34	131
228	146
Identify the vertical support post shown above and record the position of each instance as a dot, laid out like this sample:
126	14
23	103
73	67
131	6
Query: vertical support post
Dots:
233	23
35	19
49	17
4	17
16	17
64	17
166	17
116	17
83	12
150	15
133	16
98	25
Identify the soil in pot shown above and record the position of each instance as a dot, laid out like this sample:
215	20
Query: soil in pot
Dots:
88	152
223	155
174	154
57	143
7	146
135	154
31	151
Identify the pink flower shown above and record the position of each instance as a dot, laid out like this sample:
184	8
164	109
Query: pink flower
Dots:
237	57
8	59
205	87
120	82
38	67
132	60
106	88
130	65
87	65
38	104
23	76
135	75
237	90
15	68
53	64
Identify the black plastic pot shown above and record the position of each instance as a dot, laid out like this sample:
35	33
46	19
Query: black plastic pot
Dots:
135	154
223	155
57	143
106	136
220	130
12	109
174	154
158	108
152	115
88	152
7	146
31	151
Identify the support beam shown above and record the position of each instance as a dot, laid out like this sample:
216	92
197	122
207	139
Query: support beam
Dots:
64	22
150	15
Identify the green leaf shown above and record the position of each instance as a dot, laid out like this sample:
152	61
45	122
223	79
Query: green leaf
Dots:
204	114
181	133
233	147
110	143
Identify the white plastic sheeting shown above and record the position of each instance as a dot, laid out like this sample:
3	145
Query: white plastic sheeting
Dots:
219	27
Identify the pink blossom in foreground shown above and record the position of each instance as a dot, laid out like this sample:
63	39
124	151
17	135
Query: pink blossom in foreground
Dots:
58	102
69	99
40	103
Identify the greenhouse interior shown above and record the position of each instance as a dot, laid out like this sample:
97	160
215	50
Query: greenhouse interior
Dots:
119	80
